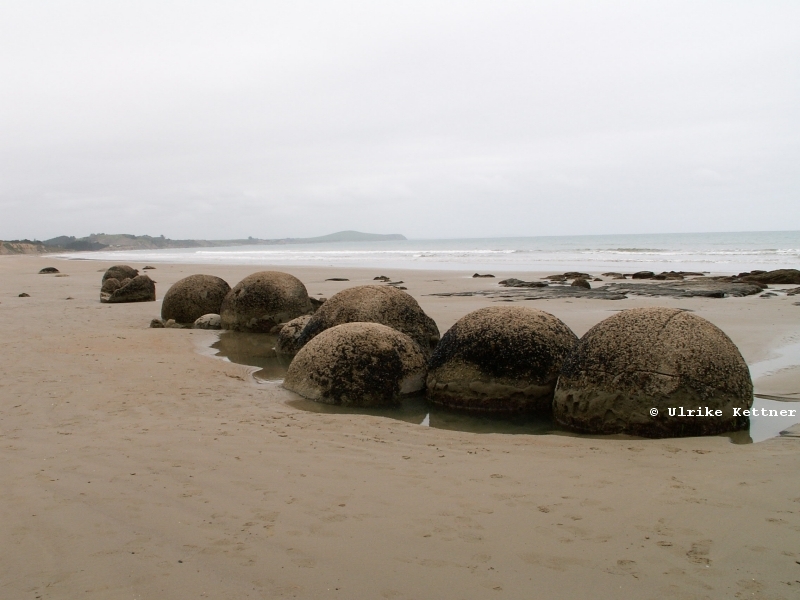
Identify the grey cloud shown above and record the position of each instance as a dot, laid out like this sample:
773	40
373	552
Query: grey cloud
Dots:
443	119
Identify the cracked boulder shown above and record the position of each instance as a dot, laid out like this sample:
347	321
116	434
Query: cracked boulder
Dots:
120	273
500	360
654	359
137	289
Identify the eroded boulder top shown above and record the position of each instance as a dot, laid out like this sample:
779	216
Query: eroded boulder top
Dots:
262	300
374	304
120	272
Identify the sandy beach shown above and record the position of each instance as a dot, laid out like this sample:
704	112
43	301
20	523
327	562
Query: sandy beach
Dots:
137	465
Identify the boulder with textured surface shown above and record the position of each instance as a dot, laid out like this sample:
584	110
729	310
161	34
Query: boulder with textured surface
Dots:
262	300
357	364
194	296
289	335
659	359
374	304
48	270
120	272
209	321
139	289
500	360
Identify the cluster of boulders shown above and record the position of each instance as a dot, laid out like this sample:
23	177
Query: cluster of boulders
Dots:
261	303
122	283
371	345
653	372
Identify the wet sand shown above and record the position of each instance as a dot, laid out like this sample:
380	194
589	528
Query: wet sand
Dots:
137	465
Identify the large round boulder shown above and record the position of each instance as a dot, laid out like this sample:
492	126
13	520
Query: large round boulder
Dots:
654	359
358	364
262	300
500	359
120	272
374	304
194	296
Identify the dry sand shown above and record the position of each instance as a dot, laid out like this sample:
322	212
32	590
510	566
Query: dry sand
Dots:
134	466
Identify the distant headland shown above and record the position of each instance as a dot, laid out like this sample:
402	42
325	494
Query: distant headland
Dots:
126	241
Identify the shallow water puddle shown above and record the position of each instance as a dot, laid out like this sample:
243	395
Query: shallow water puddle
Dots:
258	350
254	350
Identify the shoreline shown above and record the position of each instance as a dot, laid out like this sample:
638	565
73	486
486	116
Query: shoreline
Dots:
133	463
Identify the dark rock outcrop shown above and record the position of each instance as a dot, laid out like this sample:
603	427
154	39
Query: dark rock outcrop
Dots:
643	275
500	360
386	305
518	283
778	277
581	283
357	364
48	271
653	358
262	300
138	289
194	296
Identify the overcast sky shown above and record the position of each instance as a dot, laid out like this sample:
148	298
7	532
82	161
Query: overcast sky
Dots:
433	119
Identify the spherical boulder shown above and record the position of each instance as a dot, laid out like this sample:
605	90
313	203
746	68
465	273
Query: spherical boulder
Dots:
500	359
262	300
120	272
194	296
663	360
374	304
358	364
289	334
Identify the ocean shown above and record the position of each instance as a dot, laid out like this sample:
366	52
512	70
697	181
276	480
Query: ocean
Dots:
716	253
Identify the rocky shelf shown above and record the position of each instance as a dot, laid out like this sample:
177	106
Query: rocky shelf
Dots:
618	291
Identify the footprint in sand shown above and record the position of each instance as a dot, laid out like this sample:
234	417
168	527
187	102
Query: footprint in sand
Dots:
699	552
